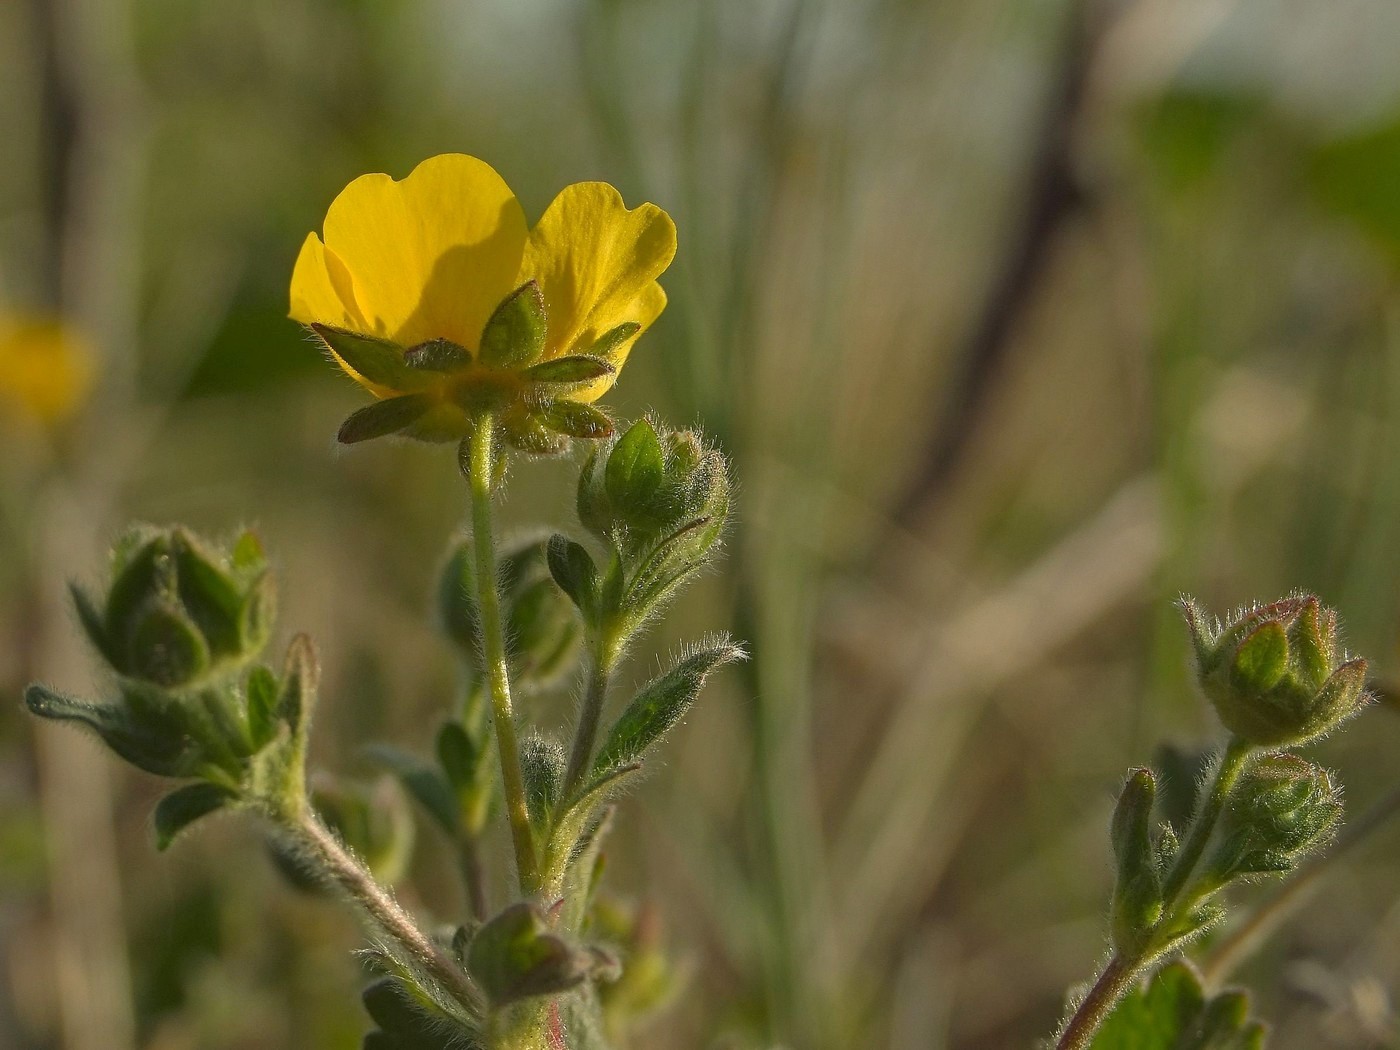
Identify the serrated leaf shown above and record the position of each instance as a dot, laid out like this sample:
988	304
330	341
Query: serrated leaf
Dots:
179	809
378	360
515	333
382	418
576	368
660	704
1171	1012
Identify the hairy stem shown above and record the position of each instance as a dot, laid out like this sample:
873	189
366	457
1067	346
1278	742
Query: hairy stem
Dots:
338	866
586	735
478	470
1208	812
1095	1007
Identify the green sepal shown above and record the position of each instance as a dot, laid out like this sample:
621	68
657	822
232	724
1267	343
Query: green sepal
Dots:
515	333
166	648
165	750
573	570
261	691
576	368
181	808
247	556
576	419
437	355
91	619
211	597
661	703
515	956
378	360
610	342
527	432
1261	659
635	476
301	677
382	418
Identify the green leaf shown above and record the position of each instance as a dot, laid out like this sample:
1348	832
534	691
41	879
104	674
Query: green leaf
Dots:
1171	1012
381	418
576	419
515	956
378	360
179	809
457	755
577	368
515	333
437	355
421	781
248	556
661	703
573	570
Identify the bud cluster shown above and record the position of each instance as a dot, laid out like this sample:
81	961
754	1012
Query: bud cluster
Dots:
658	500
1283	808
181	624
1276	674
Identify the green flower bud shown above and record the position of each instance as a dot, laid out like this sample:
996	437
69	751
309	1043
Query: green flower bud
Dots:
1283	808
652	484
542	629
179	611
1137	892
1276	674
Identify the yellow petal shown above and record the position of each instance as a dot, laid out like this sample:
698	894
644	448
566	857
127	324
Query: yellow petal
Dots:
46	369
316	295
430	256
645	309
597	264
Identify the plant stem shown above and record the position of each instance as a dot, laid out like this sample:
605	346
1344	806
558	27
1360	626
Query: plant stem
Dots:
1121	971
339	867
1226	773
478	471
586	735
1095	1007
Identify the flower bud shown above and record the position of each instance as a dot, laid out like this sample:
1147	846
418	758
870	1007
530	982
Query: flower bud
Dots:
1283	808
541	626
1276	674
177	610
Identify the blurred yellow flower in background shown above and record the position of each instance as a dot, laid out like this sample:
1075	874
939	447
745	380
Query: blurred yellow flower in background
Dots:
46	368
435	295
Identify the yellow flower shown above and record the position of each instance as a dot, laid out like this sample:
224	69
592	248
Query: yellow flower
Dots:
46	369
434	294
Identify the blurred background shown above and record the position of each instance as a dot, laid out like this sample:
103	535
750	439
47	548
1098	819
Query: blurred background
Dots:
1019	318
